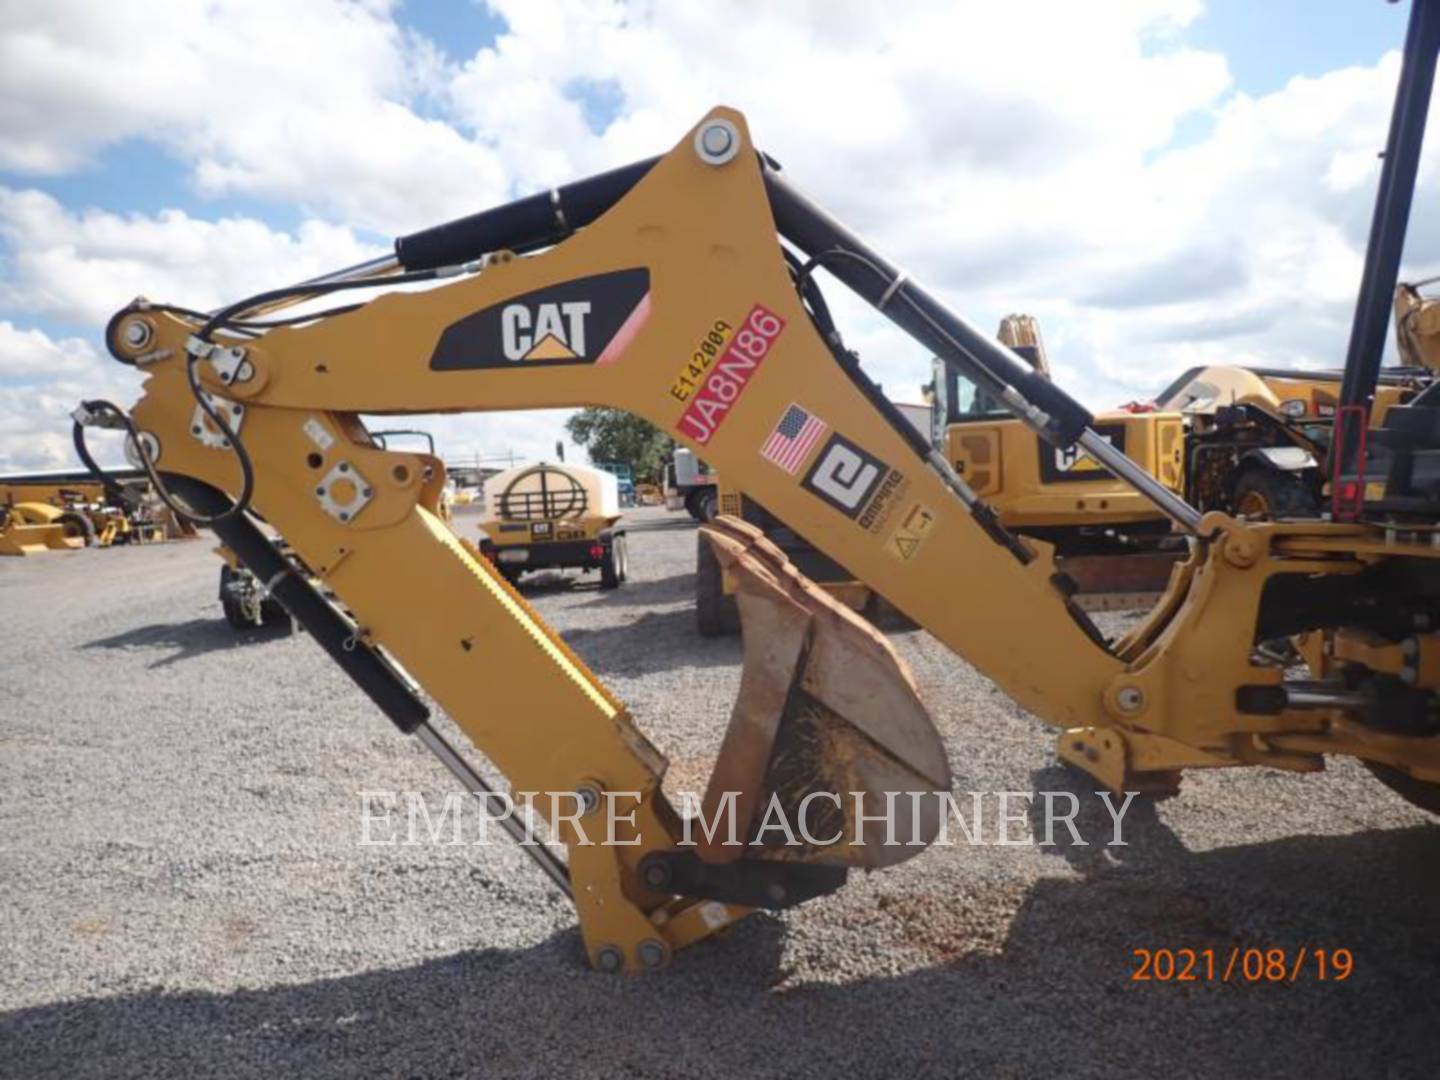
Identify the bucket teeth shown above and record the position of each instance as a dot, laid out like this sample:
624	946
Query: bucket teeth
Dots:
828	723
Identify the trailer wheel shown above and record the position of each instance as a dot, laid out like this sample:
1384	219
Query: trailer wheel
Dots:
703	504
611	572
1421	793
231	604
716	615
1263	494
622	558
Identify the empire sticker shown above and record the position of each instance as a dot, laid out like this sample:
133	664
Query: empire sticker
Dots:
855	482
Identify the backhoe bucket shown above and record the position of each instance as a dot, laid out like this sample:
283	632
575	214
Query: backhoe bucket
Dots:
828	733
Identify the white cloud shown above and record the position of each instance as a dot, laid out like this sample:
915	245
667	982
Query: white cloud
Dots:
30	356
41	381
82	267
79	268
305	103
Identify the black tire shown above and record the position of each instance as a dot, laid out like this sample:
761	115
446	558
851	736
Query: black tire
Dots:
622	558
710	505
235	613
692	505
716	614
1419	793
1263	494
77	524
610	577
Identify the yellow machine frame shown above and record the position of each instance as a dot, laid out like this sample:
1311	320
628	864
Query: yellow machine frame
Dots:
1167	697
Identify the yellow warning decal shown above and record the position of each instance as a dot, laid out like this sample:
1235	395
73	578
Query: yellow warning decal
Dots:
905	540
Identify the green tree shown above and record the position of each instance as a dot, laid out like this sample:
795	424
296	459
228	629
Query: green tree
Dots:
616	435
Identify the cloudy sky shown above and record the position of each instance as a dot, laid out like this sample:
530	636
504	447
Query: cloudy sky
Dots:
1162	182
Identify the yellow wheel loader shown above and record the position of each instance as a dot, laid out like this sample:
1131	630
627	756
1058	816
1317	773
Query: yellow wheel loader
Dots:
598	293
30	526
61	512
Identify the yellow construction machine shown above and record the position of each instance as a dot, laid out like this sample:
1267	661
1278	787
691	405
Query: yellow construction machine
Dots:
599	293
1257	439
29	526
66	511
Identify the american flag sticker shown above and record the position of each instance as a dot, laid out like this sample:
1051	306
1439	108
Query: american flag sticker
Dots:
794	436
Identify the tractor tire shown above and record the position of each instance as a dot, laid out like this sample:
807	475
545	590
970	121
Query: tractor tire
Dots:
716	614
611	564
1263	494
77	524
1419	793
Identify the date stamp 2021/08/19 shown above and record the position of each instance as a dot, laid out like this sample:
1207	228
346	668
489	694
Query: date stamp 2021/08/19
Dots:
1242	964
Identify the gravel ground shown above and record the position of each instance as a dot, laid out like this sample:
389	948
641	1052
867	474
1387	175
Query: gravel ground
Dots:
182	891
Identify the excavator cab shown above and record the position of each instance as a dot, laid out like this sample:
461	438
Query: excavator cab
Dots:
1112	541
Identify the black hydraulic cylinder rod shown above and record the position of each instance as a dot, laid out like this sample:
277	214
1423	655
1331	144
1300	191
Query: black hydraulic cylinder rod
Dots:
1392	209
535	221
990	365
311	610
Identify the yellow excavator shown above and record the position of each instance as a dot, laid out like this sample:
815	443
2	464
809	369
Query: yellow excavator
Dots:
601	292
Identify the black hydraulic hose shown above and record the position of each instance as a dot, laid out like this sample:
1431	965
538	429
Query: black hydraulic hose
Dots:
112	490
336	634
1392	211
987	363
225	319
533	222
100	406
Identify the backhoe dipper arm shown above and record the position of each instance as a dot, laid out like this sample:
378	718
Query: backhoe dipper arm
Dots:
675	302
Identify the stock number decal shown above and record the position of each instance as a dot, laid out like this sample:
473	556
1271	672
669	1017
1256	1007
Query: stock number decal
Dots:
729	374
709	347
855	482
